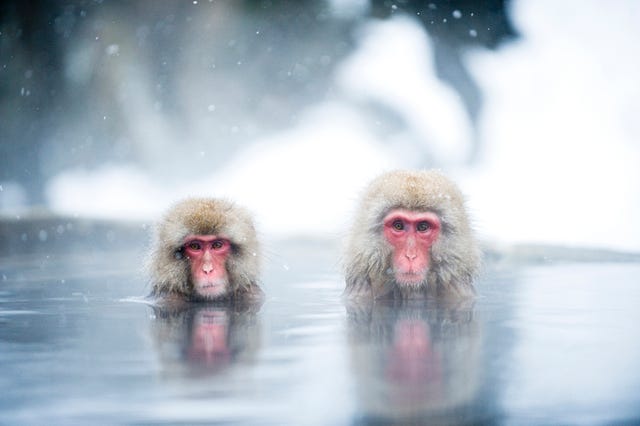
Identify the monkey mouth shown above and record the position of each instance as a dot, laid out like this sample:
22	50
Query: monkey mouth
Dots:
409	278
214	288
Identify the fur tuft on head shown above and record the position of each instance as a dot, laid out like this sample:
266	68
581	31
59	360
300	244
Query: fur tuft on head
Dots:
455	255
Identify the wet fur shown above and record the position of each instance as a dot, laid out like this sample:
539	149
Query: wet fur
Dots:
455	257
169	268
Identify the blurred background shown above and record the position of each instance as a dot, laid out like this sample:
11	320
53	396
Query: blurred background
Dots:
113	109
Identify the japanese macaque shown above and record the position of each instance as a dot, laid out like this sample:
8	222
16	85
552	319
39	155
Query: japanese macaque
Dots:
411	238
205	250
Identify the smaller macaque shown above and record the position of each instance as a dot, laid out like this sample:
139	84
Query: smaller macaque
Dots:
411	238
205	250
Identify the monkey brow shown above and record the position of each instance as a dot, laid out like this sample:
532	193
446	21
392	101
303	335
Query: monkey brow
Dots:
422	209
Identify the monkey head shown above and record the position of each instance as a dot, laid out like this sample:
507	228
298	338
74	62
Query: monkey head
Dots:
411	237
205	250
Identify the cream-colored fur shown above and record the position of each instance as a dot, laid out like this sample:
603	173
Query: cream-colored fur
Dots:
170	271
455	257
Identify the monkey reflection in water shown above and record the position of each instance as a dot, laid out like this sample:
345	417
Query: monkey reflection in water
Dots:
415	360
205	338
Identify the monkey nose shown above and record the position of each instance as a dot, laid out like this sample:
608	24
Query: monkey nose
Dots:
207	268
410	255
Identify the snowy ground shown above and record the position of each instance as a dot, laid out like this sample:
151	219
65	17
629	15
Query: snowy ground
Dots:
560	160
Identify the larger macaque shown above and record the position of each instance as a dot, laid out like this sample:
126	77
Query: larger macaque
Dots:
411	238
205	249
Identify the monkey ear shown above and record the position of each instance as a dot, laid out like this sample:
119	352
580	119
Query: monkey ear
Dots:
179	253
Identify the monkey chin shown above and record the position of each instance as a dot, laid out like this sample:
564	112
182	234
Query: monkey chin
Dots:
211	290
410	279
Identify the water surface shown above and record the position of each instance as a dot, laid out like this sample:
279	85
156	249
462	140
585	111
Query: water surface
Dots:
545	342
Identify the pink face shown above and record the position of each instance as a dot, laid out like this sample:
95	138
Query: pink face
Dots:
411	234
207	256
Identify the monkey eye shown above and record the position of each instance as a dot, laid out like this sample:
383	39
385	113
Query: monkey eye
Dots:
217	244
398	225
194	245
423	226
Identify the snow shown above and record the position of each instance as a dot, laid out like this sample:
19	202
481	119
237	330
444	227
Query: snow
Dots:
559	160
560	139
394	66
